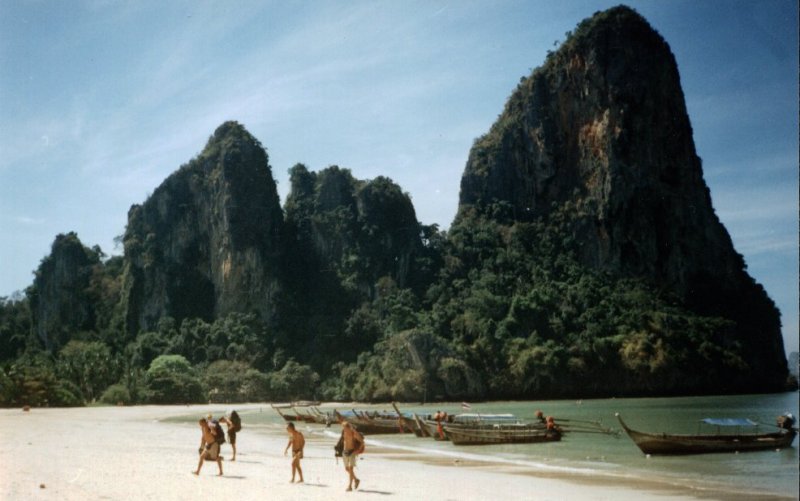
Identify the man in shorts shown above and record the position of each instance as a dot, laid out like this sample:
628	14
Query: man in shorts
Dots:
352	445
297	442
209	447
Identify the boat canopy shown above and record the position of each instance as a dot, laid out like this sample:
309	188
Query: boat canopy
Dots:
469	418
729	422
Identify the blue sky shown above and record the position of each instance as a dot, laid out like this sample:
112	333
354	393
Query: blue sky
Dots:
101	100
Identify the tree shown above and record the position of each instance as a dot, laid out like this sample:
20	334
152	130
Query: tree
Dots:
294	381
171	380
88	365
31	380
146	348
15	327
225	381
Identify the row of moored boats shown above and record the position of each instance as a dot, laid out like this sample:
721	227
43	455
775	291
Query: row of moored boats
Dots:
484	429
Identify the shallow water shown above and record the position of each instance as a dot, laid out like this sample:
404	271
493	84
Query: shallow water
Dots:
762	473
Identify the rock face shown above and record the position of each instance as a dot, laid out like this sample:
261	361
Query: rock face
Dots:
61	302
603	125
362	229
207	242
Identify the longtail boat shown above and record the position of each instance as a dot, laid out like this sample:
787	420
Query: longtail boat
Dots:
285	415
500	434
435	428
296	415
369	425
663	443
422	426
411	422
325	418
306	418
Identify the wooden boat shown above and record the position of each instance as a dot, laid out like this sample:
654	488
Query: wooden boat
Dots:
425	432
285	415
325	418
434	430
314	416
510	422
500	434
369	425
663	443
465	420
411	422
306	418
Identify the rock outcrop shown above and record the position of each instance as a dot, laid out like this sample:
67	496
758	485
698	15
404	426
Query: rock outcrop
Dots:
603	125
61	301
207	242
364	230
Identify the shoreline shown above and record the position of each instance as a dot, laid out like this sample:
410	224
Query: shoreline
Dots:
132	453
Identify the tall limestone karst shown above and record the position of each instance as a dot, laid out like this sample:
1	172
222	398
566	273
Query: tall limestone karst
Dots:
207	242
603	125
61	299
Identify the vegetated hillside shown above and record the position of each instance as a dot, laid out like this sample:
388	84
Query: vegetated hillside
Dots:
599	135
585	260
348	242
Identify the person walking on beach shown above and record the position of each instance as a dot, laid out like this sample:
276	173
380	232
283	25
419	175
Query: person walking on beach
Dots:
353	446
234	424
296	441
209	447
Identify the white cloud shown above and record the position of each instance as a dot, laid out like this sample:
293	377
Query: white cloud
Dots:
26	220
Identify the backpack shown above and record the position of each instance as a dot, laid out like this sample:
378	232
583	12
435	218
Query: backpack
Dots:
338	449
219	433
360	446
237	421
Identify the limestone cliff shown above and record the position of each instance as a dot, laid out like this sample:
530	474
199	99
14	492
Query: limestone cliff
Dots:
603	125
206	243
61	302
364	230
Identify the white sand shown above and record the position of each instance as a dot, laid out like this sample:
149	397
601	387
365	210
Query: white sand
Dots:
123	453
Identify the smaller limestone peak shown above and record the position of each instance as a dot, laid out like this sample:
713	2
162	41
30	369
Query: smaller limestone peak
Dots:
617	18
231	135
231	128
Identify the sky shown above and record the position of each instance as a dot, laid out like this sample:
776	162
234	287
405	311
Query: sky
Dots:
101	100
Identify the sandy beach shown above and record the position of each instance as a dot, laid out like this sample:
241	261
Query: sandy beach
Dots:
125	453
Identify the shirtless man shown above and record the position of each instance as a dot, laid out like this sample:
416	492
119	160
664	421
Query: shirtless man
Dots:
209	447
296	441
351	437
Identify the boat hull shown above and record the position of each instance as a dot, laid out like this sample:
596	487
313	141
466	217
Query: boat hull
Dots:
667	444
375	426
462	435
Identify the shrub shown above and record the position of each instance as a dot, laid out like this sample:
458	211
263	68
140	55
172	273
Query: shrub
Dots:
171	380
115	394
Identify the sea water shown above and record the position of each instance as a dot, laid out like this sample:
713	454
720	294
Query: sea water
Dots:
613	458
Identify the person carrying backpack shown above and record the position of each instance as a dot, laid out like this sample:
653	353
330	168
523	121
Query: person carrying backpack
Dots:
352	446
234	424
209	446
